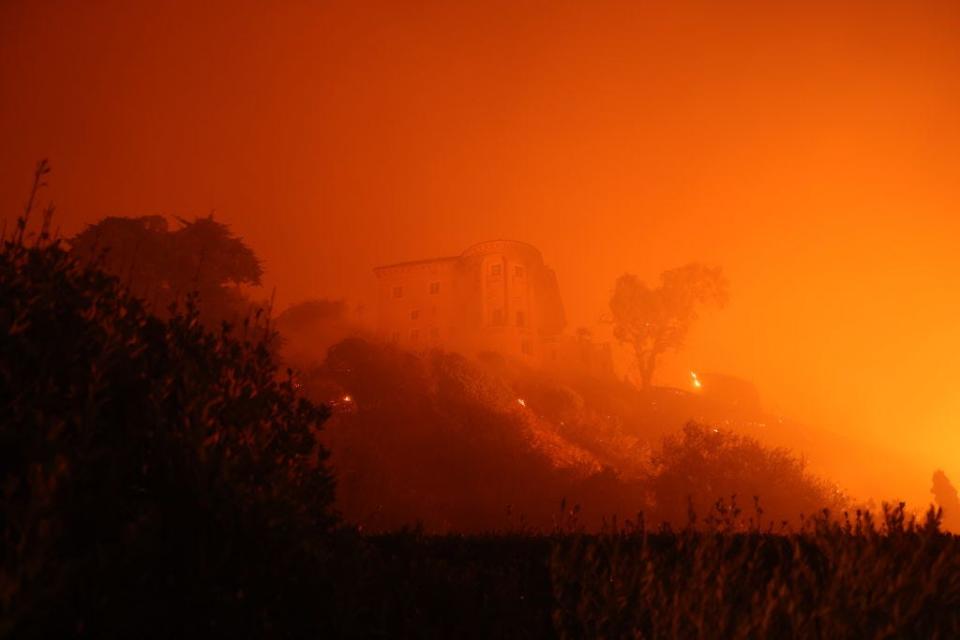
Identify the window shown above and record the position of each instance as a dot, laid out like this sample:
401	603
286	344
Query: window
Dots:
526	347
518	271
415	314
414	335
521	319
498	316
398	292
496	269
434	288
395	337
434	333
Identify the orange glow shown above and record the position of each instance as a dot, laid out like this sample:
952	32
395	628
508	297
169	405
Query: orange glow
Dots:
809	149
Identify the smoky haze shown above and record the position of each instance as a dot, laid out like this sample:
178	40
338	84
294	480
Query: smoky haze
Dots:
812	155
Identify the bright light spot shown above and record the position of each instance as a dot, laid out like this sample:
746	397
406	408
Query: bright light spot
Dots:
347	399
695	381
521	402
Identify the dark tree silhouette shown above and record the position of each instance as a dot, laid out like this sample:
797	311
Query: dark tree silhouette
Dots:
132	249
163	266
653	321
204	252
156	478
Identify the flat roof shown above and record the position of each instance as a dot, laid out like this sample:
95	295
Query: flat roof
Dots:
472	249
415	263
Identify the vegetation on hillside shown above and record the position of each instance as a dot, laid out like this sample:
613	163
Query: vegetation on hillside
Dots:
155	477
162	266
456	445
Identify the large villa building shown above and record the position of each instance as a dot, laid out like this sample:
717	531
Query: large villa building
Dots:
496	296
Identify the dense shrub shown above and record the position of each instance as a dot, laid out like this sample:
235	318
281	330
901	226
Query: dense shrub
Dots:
433	440
156	478
830	579
409	585
701	465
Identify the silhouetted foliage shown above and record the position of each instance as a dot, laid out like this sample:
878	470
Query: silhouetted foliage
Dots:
654	321
704	465
846	578
458	446
435	440
162	266
156	479
946	496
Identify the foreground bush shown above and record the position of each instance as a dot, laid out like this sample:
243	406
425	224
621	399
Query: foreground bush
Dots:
155	478
849	579
702	464
857	578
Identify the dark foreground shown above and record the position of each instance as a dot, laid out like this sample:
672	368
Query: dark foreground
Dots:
834	581
896	579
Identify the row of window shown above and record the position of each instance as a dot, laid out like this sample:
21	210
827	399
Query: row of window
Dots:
500	318
497	269
434	290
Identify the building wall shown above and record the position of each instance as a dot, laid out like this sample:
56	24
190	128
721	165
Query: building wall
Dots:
495	296
418	304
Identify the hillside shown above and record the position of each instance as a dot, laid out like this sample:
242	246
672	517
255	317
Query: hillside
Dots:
458	444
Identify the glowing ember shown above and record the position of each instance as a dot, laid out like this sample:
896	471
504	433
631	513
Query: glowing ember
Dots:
347	399
521	402
695	381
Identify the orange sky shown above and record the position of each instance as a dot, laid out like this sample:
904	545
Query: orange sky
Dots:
812	151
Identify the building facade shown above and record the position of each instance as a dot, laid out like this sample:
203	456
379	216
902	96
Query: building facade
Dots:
495	296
